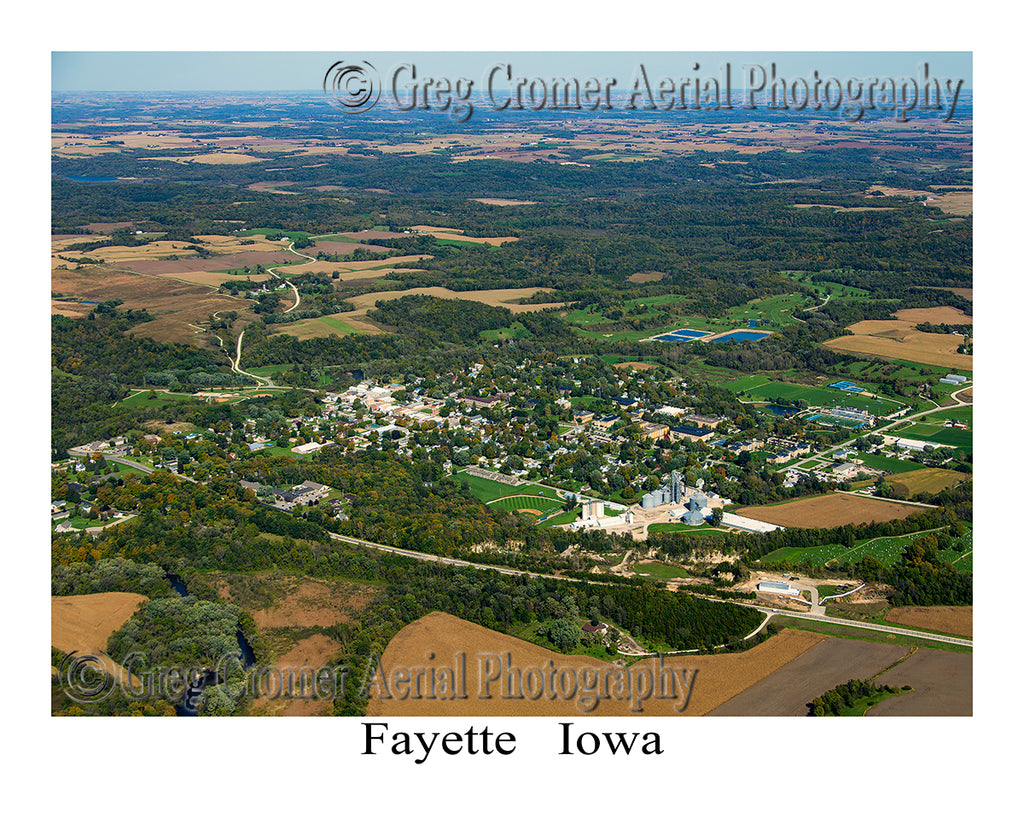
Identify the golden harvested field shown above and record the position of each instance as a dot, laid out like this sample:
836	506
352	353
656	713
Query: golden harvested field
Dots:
324	326
502	203
838	207
444	637
233	244
495	298
69	308
153	250
83	622
826	511
650	276
898	338
369	264
959	203
635	365
927	480
218	158
459	235
957	620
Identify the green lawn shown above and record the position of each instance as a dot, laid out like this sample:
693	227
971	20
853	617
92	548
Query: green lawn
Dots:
938	435
852	632
270	369
142	399
760	388
516	503
888	464
487	490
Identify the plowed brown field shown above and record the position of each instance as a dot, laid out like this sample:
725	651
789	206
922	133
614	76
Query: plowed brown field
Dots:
826	511
948	619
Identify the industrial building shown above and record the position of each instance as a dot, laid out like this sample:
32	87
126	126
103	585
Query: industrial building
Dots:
777	587
748	524
672	491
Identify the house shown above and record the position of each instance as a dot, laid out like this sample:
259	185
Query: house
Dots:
600	628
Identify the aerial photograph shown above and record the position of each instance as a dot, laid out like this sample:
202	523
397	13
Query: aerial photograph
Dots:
473	385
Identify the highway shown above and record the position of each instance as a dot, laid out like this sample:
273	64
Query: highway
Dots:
767	611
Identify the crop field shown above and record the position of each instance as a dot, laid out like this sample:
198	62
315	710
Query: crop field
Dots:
957	620
958	203
174	304
458	236
929	480
831	662
718	679
899	339
943	683
825	511
496	298
83	622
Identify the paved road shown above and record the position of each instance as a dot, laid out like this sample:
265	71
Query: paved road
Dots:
768	612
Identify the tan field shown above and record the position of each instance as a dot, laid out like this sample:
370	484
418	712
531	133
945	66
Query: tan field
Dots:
436	640
495	298
233	244
502	203
82	623
635	365
958	203
927	480
321	328
650	276
942	683
957	620
218	158
459	235
213	278
175	304
898	338
69	308
826	511
153	250
838	207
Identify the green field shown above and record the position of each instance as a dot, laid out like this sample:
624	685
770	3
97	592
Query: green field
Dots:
938	435
886	550
852	632
697	531
517	503
888	464
142	399
514	330
270	369
487	490
762	388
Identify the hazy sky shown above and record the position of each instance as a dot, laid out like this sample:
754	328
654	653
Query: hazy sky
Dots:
304	71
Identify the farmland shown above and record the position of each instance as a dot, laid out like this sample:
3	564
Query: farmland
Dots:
928	480
957	620
831	662
899	338
826	511
719	678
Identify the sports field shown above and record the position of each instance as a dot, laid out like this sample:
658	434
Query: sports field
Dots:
762	388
